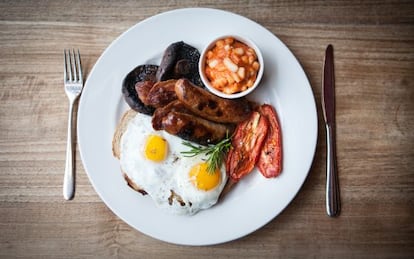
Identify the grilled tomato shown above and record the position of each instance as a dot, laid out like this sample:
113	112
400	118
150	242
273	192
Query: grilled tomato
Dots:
270	160
247	143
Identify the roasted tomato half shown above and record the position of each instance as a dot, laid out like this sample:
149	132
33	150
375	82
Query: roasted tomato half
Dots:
246	146
270	160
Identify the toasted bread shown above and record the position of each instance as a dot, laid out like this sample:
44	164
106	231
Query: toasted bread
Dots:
120	130
116	145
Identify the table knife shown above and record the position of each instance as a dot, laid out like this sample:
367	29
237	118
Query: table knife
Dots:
333	203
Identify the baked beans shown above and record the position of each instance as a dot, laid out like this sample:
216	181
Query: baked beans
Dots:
231	66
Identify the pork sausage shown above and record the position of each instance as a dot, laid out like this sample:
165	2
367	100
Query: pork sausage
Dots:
195	129
161	94
161	112
211	107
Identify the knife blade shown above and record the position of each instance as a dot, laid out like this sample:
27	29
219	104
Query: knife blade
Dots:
333	203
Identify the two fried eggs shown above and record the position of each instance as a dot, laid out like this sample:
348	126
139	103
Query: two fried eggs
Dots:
154	161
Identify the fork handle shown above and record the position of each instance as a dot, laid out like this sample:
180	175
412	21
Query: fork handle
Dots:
69	177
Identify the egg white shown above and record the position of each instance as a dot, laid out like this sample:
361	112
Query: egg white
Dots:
158	179
200	199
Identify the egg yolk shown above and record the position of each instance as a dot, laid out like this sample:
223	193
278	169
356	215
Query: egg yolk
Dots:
156	148
202	178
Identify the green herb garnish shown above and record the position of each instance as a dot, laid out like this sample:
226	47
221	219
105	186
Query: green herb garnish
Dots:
216	153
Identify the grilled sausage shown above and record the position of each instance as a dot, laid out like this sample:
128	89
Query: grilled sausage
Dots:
209	106
195	129
161	112
143	88
161	94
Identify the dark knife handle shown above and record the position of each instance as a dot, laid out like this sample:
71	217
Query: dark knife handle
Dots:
333	202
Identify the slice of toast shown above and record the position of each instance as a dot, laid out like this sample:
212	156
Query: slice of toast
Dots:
116	145
120	130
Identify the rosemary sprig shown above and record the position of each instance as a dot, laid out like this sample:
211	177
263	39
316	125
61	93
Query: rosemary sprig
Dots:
215	153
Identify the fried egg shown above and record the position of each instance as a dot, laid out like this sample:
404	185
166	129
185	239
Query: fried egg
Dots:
153	160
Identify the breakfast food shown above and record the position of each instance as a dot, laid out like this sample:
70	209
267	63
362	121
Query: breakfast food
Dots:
160	94
212	107
152	163
141	73
116	145
171	112
246	146
180	60
270	160
177	120
256	141
231	66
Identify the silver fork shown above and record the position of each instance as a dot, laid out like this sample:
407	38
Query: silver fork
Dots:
73	81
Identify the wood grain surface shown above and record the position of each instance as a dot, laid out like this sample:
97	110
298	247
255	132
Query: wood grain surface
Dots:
374	61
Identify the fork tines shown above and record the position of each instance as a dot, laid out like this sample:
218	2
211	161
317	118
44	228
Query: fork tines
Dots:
73	70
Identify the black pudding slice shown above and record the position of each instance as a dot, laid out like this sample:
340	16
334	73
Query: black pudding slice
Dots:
180	60
139	74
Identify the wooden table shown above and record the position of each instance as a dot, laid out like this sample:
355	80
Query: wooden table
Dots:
374	59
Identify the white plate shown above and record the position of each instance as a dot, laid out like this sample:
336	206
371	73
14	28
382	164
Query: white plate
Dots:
255	200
